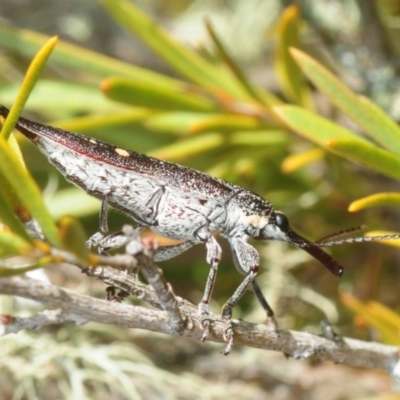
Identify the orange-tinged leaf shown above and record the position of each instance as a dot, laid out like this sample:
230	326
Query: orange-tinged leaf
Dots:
382	322
391	242
298	160
73	237
375	200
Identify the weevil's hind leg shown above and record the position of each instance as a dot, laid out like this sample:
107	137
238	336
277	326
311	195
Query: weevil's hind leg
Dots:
248	261
271	321
213	257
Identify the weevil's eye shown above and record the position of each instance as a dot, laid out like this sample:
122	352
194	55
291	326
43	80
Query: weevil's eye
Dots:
281	222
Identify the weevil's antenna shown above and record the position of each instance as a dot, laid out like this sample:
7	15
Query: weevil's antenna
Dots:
359	239
340	233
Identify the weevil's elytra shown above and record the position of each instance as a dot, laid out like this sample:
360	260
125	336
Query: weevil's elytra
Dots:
174	201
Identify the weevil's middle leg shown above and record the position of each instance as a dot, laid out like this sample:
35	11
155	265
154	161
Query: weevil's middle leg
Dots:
167	252
213	257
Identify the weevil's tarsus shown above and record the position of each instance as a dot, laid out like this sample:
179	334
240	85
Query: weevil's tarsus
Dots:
329	333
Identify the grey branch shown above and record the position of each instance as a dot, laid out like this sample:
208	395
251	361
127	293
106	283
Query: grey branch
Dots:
65	305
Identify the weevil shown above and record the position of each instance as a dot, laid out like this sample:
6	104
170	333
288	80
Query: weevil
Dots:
176	202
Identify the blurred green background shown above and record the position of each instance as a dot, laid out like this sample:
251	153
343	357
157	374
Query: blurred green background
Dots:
212	108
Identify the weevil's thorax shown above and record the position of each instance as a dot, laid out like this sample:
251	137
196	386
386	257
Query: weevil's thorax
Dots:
247	215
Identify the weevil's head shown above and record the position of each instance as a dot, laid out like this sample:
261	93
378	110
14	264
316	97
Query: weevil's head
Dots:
249	214
278	228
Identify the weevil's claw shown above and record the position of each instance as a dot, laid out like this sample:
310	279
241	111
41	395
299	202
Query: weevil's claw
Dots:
94	240
205	323
204	320
272	324
228	337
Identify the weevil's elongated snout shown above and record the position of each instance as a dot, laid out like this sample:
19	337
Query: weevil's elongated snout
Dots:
316	252
284	233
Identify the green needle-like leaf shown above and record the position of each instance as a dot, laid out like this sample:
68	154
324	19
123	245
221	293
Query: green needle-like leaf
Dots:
289	74
7	272
231	123
188	63
366	114
7	216
145	94
31	76
27	191
339	140
314	127
263	96
27	43
367	154
189	147
13	244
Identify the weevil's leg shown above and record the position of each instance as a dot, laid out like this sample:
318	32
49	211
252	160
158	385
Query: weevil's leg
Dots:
213	257
271	321
249	262
103	231
167	252
115	240
104	241
258	292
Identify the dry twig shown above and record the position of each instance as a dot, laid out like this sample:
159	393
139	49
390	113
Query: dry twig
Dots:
175	316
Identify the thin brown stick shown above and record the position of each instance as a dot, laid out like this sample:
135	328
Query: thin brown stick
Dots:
80	308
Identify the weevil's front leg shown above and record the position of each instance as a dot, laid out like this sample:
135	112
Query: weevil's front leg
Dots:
103	231
102	239
213	257
249	261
